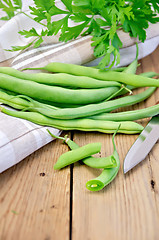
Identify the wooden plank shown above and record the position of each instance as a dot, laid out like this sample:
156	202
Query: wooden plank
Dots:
35	199
128	207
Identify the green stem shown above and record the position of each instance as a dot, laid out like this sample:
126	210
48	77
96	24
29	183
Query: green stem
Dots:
32	18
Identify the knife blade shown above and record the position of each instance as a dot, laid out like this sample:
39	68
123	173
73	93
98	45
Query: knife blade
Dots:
143	144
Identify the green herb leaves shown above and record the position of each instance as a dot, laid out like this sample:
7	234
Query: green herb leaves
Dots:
100	18
11	8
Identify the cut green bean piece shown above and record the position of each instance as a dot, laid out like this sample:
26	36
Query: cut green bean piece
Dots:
107	175
105	162
77	154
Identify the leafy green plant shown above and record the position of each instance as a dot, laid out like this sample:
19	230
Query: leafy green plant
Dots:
10	7
100	18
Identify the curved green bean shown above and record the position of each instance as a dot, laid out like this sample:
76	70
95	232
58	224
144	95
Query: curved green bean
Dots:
94	162
145	74
128	115
13	101
60	79
107	175
20	101
54	93
127	127
77	154
93	109
126	78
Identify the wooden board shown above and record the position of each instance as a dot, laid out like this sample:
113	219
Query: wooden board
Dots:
37	202
35	199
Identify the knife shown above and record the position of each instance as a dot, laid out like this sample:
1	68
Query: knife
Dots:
143	144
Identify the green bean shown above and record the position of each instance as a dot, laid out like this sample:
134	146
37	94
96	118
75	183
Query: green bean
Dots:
127	127
93	109
107	175
126	78
145	74
149	74
77	154
60	79
13	101
119	69
20	101
53	93
129	115
133	66
104	162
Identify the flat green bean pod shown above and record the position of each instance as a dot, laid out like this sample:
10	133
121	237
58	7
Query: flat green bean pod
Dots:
60	79
122	77
127	127
54	93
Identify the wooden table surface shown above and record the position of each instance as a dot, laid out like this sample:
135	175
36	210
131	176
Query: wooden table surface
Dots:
37	202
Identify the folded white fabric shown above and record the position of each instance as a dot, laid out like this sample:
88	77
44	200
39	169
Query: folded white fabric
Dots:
19	138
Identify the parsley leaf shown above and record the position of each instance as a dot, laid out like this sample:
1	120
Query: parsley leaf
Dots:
99	18
11	8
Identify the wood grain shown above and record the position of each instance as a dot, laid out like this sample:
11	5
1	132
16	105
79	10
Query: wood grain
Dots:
128	208
34	199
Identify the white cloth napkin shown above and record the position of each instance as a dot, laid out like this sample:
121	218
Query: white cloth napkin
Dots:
19	138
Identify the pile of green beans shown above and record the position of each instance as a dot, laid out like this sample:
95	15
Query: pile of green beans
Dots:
55	93
89	109
80	98
93	109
